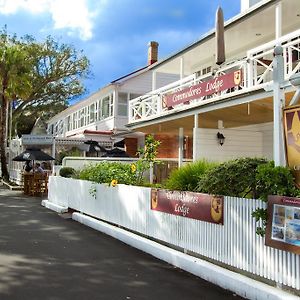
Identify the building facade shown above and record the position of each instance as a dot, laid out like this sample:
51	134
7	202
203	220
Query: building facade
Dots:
233	109
103	115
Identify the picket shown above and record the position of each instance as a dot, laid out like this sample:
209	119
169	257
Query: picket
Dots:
234	243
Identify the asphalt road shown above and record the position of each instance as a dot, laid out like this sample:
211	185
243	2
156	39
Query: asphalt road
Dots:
46	257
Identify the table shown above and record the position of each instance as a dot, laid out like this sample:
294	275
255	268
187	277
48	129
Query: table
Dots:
35	184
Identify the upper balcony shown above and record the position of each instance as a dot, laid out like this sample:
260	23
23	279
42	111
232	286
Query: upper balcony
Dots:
247	74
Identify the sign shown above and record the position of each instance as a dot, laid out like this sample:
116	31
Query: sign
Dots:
292	140
283	225
197	206
202	89
29	139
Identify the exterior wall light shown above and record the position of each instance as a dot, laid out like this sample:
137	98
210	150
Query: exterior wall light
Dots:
221	138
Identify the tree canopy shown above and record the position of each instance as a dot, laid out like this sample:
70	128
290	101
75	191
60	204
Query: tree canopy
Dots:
36	76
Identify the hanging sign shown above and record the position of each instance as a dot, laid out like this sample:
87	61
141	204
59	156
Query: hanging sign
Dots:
206	88
197	206
292	139
283	225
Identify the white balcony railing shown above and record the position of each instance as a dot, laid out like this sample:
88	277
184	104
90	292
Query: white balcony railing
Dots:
257	70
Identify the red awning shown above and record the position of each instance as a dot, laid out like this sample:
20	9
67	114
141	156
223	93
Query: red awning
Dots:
100	132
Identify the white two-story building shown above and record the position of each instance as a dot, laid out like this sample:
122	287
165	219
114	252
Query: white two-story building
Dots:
233	109
103	115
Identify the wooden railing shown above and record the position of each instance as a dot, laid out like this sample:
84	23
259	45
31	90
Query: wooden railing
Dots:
257	68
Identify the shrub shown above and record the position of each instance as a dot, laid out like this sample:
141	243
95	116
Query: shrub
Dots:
72	152
236	177
273	180
187	177
106	172
67	172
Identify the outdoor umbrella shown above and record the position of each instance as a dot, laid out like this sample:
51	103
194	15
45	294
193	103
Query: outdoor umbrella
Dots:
33	154
95	147
116	152
220	44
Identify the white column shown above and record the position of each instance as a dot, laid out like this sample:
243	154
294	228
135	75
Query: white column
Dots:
153	80
278	104
180	147
181	67
278	20
195	138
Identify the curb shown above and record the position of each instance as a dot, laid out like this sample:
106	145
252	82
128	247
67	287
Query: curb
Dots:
55	207
237	283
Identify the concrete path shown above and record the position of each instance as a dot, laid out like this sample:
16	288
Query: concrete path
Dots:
46	257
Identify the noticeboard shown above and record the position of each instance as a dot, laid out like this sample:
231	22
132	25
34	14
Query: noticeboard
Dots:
283	225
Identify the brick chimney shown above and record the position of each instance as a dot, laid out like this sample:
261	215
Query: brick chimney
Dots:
152	52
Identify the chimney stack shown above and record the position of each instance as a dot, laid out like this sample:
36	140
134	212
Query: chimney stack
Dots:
152	52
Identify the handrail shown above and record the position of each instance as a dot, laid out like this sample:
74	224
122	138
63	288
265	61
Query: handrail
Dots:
257	69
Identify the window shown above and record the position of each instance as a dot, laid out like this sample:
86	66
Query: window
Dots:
206	70
81	118
51	129
122	104
75	120
105	107
69	124
92	113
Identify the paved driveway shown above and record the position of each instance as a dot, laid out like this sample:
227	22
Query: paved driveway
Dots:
46	257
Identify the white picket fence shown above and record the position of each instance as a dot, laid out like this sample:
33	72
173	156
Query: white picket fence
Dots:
234	244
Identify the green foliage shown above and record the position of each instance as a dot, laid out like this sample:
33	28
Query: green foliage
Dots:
25	119
36	73
149	152
232	178
72	152
272	180
106	172
187	177
114	173
67	172
147	157
260	214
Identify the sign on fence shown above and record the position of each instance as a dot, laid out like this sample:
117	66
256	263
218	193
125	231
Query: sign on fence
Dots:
197	206
283	227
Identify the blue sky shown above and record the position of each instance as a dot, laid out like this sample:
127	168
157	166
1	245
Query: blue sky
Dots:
114	34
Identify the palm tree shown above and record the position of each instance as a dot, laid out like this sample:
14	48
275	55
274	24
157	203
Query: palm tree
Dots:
15	73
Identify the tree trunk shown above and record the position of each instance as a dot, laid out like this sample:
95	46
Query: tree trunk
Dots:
5	174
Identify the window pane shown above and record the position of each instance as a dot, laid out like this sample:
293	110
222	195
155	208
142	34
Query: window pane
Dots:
122	110
92	113
105	107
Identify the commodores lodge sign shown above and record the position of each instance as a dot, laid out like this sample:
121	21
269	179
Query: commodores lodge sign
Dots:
192	205
203	89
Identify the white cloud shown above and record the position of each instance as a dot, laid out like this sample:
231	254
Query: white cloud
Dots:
74	16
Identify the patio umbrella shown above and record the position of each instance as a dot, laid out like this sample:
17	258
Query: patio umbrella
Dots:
95	147
116	152
33	154
220	45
